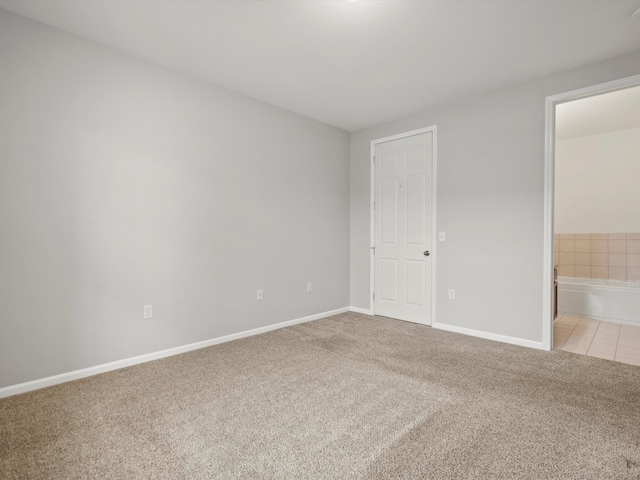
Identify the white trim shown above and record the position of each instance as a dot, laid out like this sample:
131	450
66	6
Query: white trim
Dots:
127	362
434	233
547	248
363	311
398	136
372	228
549	171
492	336
434	240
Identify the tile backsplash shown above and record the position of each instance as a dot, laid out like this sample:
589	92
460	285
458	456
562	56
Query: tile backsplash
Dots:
614	256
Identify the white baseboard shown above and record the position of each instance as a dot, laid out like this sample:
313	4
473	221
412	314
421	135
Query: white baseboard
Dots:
474	333
491	336
127	362
364	311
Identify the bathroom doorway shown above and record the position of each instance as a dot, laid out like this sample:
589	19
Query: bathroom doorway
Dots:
592	221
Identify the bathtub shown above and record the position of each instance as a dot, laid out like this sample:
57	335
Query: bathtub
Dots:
609	300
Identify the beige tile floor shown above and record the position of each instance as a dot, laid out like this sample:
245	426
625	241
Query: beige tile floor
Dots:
597	339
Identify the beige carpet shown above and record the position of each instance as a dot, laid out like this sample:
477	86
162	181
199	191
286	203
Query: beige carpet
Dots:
347	397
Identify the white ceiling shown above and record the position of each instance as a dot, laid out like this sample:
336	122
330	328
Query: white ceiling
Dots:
618	110
353	64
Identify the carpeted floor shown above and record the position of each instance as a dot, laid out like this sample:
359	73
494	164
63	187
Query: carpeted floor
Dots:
346	397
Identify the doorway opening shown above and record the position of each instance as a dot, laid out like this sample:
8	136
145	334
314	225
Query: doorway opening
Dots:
590	137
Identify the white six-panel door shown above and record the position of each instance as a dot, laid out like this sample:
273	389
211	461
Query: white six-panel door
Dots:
403	228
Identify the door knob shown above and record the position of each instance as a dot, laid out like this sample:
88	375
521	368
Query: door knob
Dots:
426	253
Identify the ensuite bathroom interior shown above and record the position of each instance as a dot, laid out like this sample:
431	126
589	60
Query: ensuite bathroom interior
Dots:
596	246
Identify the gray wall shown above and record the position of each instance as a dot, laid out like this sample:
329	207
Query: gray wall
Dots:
489	203
123	184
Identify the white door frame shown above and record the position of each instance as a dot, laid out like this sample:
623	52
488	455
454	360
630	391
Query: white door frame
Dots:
549	174
434	130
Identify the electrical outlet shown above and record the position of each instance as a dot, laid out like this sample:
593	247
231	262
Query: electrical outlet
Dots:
441	236
259	295
147	312
452	294
309	287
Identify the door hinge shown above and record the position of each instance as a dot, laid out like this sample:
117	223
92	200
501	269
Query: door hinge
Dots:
374	159
374	205
374	297
373	249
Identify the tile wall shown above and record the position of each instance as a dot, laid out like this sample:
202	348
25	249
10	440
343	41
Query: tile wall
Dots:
614	256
